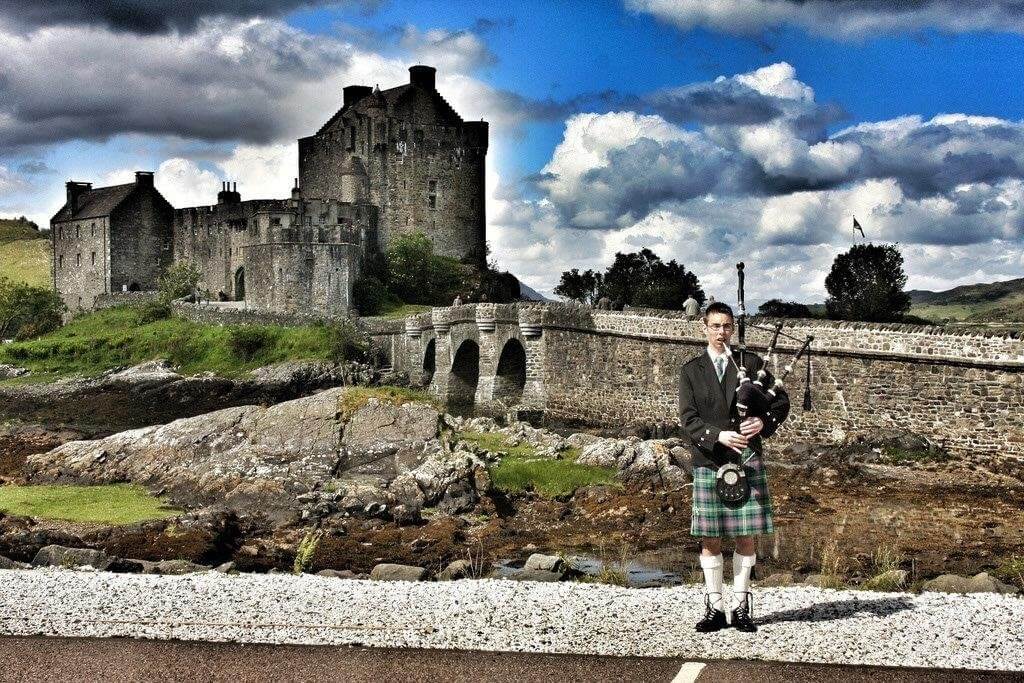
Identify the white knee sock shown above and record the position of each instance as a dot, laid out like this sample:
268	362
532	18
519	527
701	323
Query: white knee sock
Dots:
712	566
741	566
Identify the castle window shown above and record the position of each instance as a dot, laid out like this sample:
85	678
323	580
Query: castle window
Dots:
60	233
309	220
77	232
276	221
94	258
352	137
78	259
417	135
60	261
209	230
432	194
403	135
93	230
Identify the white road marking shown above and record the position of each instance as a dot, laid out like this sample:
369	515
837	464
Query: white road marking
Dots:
689	672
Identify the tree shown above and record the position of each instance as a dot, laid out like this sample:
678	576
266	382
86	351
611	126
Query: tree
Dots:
178	280
638	279
776	308
579	286
416	275
866	283
27	311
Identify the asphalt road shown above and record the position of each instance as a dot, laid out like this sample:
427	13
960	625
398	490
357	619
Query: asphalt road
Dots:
119	659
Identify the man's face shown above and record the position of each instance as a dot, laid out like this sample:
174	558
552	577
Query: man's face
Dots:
718	328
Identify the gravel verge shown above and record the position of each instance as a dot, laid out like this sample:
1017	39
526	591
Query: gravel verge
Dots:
798	624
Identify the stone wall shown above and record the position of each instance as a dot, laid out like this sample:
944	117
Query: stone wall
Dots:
963	389
81	261
141	240
212	314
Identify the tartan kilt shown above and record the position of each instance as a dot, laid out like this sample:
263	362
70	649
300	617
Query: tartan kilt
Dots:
712	518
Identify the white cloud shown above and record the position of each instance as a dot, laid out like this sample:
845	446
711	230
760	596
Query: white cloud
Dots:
846	19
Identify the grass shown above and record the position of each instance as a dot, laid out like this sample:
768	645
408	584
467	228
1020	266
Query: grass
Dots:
122	336
307	550
522	470
26	260
12	229
355	398
897	456
833	565
1011	571
614	572
109	504
886	558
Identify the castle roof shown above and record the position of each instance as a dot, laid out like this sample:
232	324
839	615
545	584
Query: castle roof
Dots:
95	203
392	98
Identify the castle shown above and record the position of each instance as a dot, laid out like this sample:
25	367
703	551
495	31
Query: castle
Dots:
389	162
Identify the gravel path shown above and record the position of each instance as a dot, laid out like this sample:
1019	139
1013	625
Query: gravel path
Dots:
979	631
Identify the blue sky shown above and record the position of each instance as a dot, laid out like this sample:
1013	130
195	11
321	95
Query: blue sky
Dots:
706	131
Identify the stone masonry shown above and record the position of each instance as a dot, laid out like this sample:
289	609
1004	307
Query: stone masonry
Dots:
964	391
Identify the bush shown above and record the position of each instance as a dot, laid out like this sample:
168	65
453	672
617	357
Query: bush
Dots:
246	342
345	342
179	280
370	295
27	311
151	311
419	276
866	283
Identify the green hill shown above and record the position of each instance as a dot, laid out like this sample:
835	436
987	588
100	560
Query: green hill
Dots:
26	261
12	229
983	302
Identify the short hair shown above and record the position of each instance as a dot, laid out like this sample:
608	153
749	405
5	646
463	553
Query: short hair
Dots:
717	307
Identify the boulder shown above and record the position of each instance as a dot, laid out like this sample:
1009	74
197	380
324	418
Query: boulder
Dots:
541	562
9	371
604	453
380	424
6	563
892	580
779	579
337	573
537	575
459	569
397	572
979	583
177	568
60	556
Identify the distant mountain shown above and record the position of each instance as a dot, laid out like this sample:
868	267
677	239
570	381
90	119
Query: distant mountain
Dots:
983	302
12	229
530	293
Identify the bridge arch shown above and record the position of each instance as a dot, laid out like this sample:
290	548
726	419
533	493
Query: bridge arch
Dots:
429	362
465	374
510	376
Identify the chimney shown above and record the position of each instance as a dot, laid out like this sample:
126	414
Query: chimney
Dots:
75	191
423	76
144	179
228	195
354	93
296	192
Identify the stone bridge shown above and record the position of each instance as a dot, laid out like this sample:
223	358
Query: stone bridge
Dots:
572	364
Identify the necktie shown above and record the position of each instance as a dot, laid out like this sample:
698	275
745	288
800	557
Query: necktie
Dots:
720	367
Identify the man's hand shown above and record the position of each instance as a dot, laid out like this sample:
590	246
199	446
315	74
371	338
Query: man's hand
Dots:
751	427
733	440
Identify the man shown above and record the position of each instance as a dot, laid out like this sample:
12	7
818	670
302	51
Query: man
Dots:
708	414
691	307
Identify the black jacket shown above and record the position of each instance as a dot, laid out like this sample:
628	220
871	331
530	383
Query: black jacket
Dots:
707	407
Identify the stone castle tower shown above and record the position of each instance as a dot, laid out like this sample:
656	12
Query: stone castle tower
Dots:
407	152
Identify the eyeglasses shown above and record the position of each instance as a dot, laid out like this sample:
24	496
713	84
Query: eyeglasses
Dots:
716	327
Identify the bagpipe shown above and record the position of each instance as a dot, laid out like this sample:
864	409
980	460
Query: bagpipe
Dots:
753	397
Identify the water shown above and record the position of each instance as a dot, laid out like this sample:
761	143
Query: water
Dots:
637	575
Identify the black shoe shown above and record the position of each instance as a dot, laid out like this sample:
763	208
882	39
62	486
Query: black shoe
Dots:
742	618
714	619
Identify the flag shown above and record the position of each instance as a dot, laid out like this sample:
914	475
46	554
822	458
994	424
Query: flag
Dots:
856	226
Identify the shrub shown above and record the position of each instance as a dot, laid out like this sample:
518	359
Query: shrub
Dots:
346	343
370	295
179	280
419	276
151	311
306	551
27	311
246	342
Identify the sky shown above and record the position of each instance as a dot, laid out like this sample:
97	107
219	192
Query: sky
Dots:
709	132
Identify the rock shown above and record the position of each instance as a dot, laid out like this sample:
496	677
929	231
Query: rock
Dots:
604	453
9	371
537	575
682	457
581	440
892	580
6	563
225	568
129	566
779	579
60	556
337	574
380	424
541	562
397	572
979	583
177	567
459	569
